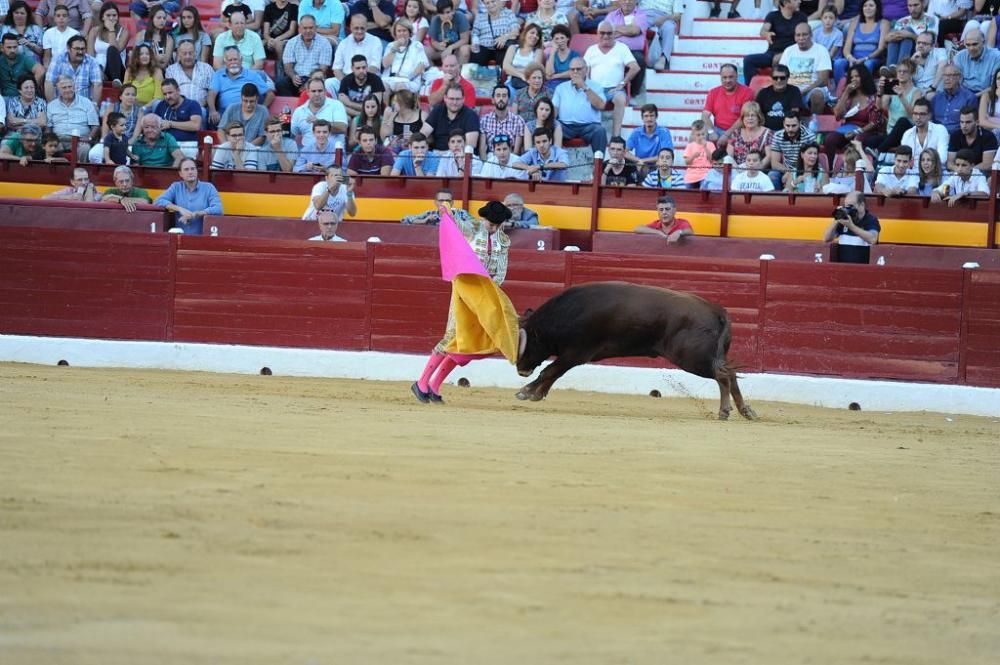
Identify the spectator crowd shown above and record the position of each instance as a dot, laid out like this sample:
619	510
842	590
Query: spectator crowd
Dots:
909	91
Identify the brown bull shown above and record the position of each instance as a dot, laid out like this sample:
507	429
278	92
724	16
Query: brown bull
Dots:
602	320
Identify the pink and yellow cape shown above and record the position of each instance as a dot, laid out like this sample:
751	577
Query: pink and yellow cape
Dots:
485	319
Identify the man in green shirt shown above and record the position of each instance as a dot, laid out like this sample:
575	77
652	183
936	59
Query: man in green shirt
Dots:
14	65
125	191
23	146
155	148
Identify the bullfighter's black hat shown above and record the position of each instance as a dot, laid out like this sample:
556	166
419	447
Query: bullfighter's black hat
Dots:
495	212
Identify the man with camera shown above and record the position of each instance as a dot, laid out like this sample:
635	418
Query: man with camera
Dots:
855	230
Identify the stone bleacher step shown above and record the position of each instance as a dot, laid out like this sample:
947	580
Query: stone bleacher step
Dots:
677	99
696	81
710	64
720	45
726	27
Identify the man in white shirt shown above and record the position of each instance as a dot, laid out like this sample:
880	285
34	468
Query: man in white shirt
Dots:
899	179
924	133
193	76
319	107
809	68
358	42
500	162
55	38
751	178
967	182
612	67
328	224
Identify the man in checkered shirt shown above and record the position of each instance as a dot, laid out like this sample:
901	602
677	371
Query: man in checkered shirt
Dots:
500	121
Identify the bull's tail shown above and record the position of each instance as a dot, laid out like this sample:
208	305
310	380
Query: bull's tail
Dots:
721	362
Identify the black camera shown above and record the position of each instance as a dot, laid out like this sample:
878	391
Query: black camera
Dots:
846	212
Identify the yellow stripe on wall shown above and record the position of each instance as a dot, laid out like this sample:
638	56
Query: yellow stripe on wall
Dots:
618	219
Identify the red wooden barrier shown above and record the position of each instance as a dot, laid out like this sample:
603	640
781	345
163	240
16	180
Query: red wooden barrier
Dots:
859	321
293	228
241	291
863	321
65	283
612	242
80	215
982	329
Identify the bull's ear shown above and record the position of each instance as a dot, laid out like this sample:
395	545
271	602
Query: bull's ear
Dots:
525	316
522	341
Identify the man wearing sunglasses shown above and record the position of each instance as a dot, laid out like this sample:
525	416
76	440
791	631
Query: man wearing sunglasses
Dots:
779	99
500	163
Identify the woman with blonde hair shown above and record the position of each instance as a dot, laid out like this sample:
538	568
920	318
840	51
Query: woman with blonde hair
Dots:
749	133
404	61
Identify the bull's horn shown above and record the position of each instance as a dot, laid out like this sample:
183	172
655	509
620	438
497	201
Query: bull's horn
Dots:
522	341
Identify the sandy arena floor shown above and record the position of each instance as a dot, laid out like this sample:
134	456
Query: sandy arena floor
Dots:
159	517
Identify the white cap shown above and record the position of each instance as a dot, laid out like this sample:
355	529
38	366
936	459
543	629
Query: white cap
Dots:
176	229
970	265
767	257
374	239
571	248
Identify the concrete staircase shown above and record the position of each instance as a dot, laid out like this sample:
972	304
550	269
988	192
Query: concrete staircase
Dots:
680	92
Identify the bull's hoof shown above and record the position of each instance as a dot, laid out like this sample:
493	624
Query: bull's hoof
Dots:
521	395
724	414
535	397
748	413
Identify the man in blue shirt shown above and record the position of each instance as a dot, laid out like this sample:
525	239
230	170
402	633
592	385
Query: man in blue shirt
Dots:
977	63
578	103
190	200
181	116
644	144
415	160
951	99
229	81
544	162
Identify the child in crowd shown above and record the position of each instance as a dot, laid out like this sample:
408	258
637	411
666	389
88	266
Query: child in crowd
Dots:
115	141
712	182
827	34
665	176
750	178
967	182
901	178
52	149
698	155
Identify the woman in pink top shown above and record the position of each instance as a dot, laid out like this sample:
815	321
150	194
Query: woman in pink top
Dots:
697	155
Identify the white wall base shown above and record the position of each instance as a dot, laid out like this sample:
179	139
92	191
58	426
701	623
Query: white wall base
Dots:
818	391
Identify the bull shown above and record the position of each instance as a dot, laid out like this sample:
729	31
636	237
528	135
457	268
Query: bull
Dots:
601	320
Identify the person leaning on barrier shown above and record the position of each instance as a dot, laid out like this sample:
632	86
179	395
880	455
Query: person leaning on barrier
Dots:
125	192
545	161
667	224
190	200
445	198
22	146
416	160
854	228
521	217
236	154
80	189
